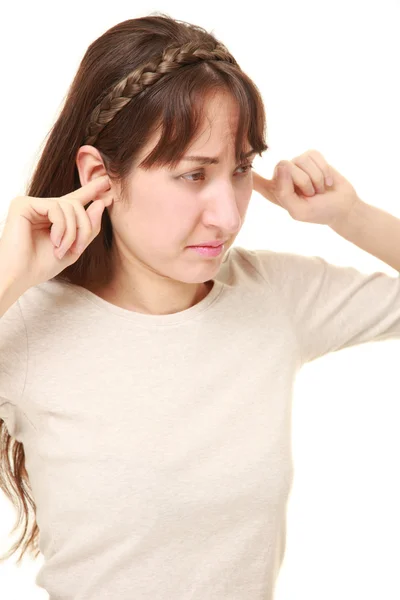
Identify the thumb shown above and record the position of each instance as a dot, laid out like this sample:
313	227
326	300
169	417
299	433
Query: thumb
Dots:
285	185
95	213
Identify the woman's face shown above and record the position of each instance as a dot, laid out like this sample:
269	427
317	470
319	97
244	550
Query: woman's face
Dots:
168	210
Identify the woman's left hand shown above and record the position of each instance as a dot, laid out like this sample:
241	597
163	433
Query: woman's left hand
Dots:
302	187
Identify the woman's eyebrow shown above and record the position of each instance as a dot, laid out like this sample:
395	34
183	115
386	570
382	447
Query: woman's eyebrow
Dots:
210	160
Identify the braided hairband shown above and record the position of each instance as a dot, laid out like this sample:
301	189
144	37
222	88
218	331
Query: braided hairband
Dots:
134	83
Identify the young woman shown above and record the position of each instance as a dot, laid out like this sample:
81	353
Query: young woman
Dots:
146	363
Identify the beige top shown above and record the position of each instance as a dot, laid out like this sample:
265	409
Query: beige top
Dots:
158	447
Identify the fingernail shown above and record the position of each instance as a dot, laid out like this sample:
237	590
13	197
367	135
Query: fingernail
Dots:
61	253
329	181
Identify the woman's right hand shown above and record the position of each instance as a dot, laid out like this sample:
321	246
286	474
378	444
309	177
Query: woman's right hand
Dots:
28	247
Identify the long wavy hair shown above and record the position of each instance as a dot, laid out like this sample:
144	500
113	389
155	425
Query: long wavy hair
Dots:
139	76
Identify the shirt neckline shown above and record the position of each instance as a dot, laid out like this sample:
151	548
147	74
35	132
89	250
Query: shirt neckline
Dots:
153	320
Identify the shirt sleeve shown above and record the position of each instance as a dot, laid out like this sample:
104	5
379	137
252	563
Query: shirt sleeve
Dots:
13	363
332	307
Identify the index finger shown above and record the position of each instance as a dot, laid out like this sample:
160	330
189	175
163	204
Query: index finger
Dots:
90	190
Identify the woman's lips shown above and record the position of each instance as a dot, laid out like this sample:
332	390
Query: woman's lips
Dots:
208	250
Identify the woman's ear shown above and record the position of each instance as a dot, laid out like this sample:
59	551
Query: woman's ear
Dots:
90	164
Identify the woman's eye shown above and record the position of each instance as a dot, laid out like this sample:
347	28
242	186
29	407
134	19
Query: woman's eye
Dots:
193	175
248	168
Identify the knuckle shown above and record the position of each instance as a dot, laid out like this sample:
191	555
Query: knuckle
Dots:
66	204
17	203
316	153
283	163
305	180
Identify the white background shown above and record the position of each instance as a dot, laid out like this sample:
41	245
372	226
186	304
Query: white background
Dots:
329	75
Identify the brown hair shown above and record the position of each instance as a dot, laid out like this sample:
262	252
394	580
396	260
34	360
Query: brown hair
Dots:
139	76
